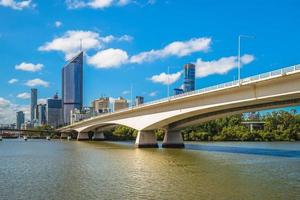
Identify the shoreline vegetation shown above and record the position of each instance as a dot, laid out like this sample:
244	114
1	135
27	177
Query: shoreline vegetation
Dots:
278	126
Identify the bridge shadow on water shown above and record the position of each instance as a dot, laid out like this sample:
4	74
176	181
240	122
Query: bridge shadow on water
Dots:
245	150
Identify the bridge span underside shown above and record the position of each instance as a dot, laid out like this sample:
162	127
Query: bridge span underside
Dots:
178	113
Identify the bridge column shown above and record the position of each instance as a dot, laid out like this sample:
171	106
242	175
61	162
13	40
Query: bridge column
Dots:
172	139
98	136
146	139
82	136
64	135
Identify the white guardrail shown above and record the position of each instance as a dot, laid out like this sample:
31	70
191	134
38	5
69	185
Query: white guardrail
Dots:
255	78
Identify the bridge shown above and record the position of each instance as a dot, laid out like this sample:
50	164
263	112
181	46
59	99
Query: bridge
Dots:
275	89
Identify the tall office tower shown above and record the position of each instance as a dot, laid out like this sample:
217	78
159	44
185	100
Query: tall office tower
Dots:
72	86
42	114
33	103
54	115
119	104
101	105
189	77
139	100
20	119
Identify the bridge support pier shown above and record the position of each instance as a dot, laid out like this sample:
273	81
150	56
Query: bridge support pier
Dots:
98	136
146	139
83	136
64	135
172	139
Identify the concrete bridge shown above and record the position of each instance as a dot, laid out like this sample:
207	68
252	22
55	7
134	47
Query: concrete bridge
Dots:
279	88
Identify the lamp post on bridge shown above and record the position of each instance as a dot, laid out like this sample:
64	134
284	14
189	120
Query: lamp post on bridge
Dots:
239	54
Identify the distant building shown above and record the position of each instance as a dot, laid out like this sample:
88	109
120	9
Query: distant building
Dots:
72	86
139	100
178	91
41	114
33	104
254	125
189	77
120	104
20	119
79	115
26	125
54	115
101	105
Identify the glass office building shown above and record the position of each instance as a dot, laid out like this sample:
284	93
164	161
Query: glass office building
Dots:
189	77
20	119
33	104
42	114
72	86
54	112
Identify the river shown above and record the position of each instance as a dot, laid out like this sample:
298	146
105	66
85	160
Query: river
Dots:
71	170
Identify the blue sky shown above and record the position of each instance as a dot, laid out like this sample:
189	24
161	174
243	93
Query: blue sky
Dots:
131	42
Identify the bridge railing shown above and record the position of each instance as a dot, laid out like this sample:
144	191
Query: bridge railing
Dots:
259	77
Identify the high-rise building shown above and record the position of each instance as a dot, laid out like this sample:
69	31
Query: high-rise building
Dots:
101	105
20	119
42	114
120	104
33	103
189	77
139	100
72	86
54	115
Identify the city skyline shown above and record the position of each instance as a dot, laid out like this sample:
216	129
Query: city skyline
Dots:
121	50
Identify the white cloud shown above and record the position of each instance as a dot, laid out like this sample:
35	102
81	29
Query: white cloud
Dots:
16	5
58	24
166	79
109	58
42	101
8	111
24	95
153	94
69	43
96	4
126	92
246	59
13	80
177	48
37	82
221	66
29	67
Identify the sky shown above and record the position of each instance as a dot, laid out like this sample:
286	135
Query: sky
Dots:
133	43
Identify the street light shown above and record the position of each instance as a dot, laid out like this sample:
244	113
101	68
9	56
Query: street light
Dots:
168	82
239	54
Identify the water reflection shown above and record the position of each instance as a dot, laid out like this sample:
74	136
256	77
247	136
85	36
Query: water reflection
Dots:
102	170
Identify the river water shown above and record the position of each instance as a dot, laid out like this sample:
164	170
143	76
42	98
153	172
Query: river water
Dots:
58	170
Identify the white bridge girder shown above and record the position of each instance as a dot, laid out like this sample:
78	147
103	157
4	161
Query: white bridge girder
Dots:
236	99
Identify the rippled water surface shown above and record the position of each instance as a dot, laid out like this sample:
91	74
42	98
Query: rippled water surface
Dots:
40	169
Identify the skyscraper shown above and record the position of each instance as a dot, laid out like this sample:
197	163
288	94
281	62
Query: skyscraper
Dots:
42	114
72	86
189	77
54	115
20	119
33	103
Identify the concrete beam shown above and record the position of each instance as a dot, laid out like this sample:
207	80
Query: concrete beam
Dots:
98	136
172	139
146	139
64	135
82	136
